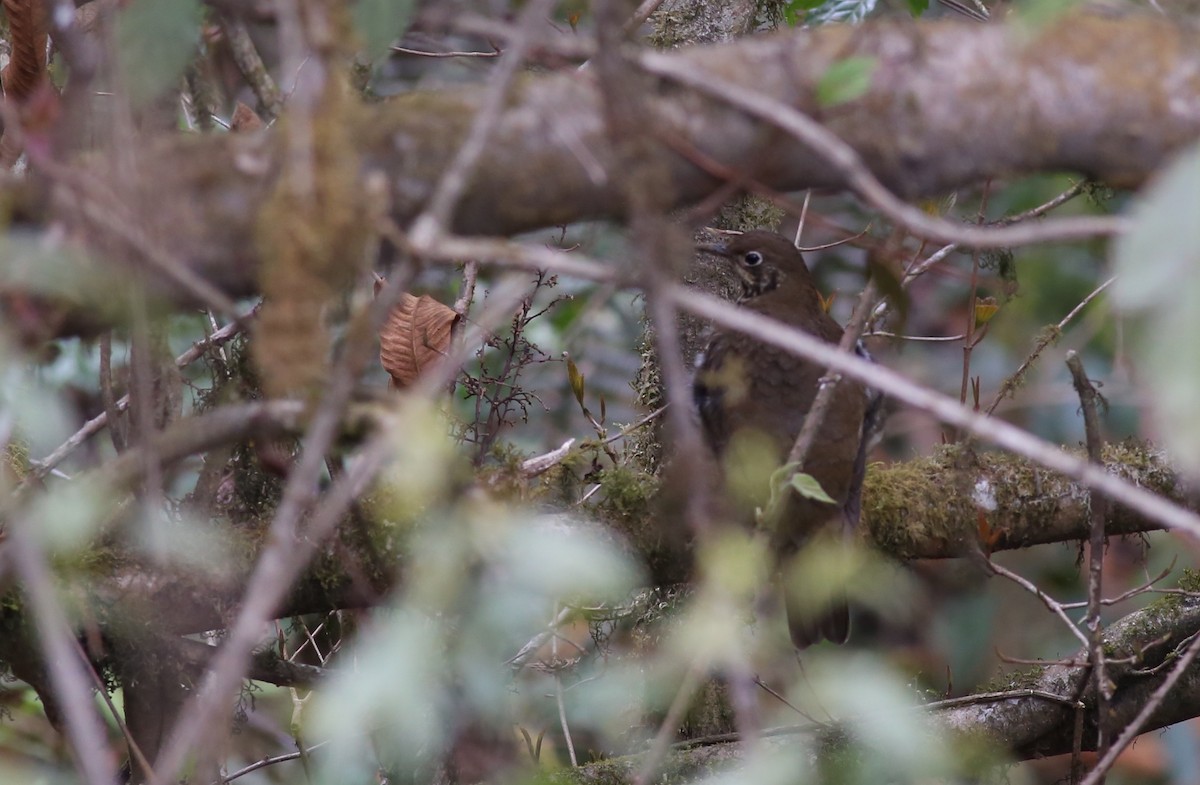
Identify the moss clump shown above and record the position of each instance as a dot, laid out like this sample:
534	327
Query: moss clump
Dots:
627	493
912	505
1021	679
1189	580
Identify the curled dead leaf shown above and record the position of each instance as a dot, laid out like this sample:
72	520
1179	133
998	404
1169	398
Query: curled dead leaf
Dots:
245	119
415	336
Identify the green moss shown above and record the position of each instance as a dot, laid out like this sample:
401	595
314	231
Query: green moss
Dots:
912	504
1020	679
1189	580
750	212
626	492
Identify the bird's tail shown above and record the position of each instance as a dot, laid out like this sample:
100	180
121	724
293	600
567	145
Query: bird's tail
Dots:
832	624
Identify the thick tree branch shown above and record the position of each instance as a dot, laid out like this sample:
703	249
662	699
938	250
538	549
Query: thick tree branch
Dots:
1033	717
932	508
1110	96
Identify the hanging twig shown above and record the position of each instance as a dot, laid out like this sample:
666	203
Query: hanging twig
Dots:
1089	400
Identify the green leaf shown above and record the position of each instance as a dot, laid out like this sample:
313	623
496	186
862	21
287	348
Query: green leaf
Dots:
918	7
156	39
1157	289
380	22
576	379
845	81
807	486
793	12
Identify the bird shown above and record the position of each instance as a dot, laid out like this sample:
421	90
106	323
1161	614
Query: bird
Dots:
748	392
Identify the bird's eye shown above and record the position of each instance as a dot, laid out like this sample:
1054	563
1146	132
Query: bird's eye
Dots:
753	259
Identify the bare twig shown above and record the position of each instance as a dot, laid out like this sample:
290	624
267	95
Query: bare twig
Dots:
262	764
1054	605
1042	209
972	293
516	255
640	15
248	61
466	292
1089	400
1147	586
829	382
558	699
420	53
670	723
135	750
1050	336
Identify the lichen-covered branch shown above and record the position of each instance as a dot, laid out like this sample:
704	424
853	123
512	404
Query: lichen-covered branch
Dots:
1031	716
939	506
1112	96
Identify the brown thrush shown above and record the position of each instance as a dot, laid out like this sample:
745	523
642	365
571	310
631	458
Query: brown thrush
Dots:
751	393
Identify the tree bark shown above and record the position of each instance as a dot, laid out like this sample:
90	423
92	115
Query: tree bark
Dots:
1112	96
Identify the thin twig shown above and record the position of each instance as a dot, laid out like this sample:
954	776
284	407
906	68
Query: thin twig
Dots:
1148	586
262	764
993	697
420	53
1054	605
1089	400
640	16
835	243
670	723
927	338
250	63
562	708
1050	336
972	294
516	255
803	217
466	292
830	381
1042	209
135	750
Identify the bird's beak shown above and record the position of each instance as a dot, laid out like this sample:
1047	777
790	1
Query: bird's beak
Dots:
717	249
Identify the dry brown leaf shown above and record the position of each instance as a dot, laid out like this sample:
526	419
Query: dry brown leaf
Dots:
245	120
415	336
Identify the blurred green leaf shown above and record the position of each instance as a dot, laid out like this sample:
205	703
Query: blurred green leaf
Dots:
807	486
67	519
559	557
793	12
394	696
918	7
380	22
845	81
870	696
1158	289
156	39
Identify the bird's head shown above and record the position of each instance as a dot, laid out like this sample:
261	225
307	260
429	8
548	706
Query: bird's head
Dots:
763	261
